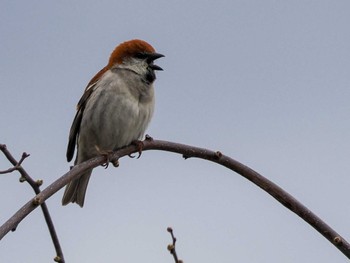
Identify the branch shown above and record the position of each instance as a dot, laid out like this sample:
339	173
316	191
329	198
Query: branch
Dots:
187	151
172	247
17	166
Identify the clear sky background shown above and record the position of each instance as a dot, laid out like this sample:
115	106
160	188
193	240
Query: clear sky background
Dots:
265	82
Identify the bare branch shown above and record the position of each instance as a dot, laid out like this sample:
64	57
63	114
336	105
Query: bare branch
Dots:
8	155
187	152
17	166
172	247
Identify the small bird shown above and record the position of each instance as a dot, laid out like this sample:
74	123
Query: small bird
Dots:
114	111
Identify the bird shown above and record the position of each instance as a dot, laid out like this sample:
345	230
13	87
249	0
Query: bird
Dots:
114	110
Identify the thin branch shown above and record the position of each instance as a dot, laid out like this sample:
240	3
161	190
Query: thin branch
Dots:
172	247
17	166
187	152
3	148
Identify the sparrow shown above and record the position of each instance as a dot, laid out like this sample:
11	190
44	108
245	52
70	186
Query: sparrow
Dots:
114	111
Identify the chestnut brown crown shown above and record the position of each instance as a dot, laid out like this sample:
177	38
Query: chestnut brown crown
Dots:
129	49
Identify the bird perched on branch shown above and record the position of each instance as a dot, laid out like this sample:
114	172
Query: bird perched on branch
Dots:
115	109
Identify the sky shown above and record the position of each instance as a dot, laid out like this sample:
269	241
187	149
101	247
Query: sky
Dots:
265	82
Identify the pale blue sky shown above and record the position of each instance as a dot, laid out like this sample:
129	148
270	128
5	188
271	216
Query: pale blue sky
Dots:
265	82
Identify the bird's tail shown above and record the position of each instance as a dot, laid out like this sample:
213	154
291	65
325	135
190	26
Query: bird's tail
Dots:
75	190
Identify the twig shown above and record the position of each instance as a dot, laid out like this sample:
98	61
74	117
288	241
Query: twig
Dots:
17	166
172	247
187	151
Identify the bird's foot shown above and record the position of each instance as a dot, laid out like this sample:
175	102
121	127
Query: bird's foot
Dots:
139	145
107	154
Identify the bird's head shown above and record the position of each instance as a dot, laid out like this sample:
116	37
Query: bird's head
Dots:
138	56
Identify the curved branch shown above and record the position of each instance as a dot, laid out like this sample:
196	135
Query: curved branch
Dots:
187	151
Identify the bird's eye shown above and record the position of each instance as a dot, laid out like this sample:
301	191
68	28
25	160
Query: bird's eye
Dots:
141	55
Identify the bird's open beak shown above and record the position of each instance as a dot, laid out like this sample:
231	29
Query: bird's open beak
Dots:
151	57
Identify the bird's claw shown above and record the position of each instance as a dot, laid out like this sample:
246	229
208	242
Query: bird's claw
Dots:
115	163
139	145
107	154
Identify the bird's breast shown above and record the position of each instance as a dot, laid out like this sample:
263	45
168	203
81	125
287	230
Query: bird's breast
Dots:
117	113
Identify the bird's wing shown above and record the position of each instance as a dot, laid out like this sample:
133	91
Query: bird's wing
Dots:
74	130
